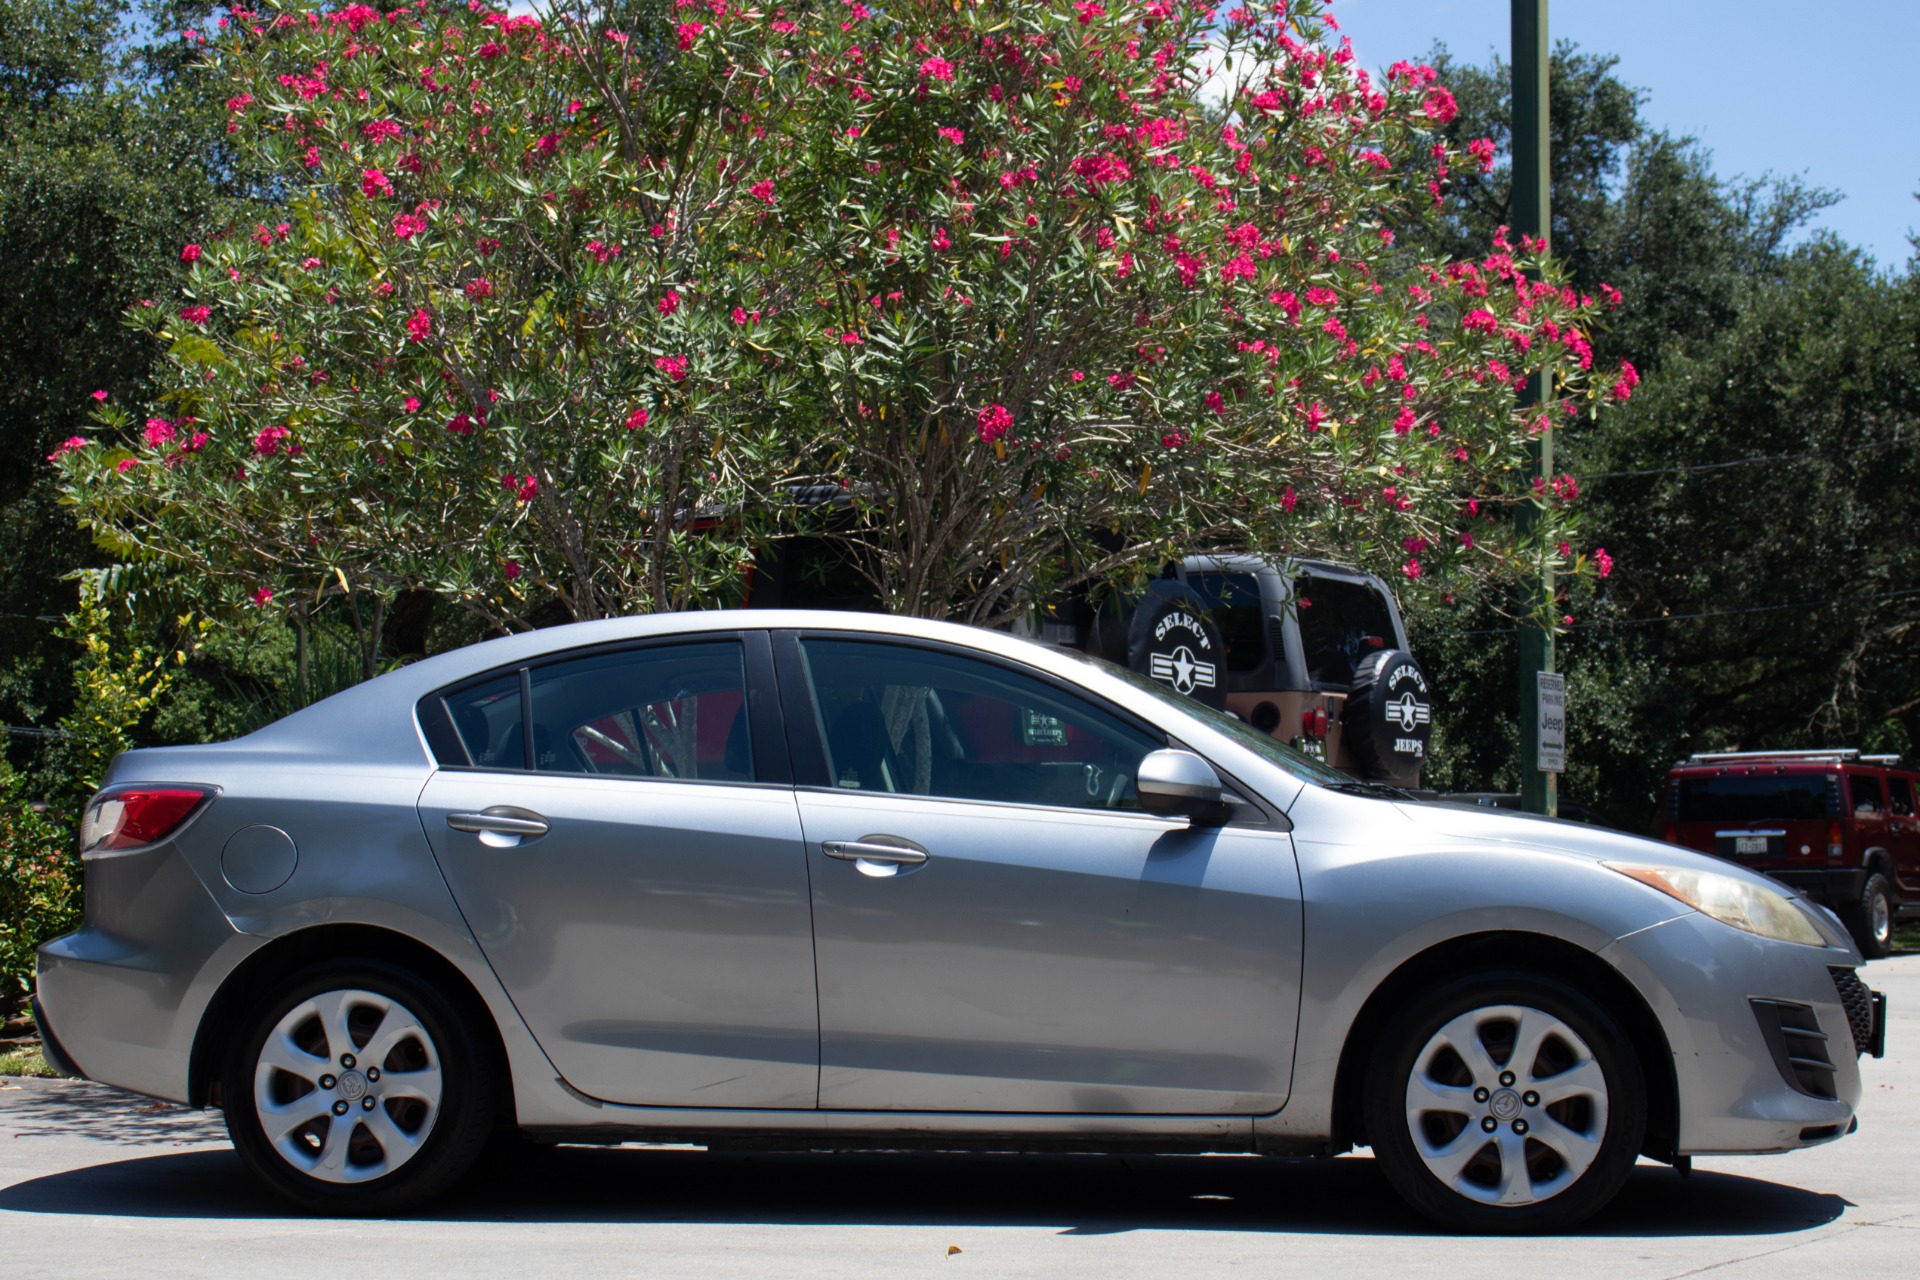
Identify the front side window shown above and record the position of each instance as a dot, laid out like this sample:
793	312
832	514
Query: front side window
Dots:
664	711
924	722
1233	600
1900	793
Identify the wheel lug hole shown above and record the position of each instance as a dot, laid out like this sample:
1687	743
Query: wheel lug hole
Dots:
1489	1124
367	1103
327	1082
1481	1094
340	1107
346	1060
1519	1126
373	1073
1531	1098
1506	1078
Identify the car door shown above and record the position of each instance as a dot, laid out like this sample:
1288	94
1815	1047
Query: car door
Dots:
623	841
998	927
1903	833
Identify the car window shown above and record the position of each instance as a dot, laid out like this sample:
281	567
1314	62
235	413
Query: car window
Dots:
1341	622
1234	603
1867	795
487	718
1756	798
664	711
917	721
1900	796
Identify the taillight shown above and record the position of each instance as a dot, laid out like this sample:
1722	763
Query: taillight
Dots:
1314	723
132	816
1670	833
1836	841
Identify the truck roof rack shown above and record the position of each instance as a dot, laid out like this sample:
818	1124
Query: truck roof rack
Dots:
1834	754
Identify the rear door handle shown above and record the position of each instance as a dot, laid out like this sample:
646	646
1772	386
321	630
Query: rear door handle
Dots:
903	854
500	821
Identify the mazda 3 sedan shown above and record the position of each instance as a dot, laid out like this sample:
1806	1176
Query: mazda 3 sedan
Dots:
831	880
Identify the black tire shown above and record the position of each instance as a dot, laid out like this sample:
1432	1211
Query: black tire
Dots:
1870	920
1609	1120
434	1143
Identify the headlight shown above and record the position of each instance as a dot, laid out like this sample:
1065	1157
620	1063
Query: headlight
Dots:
1730	901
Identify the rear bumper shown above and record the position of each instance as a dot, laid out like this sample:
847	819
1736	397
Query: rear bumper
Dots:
50	1047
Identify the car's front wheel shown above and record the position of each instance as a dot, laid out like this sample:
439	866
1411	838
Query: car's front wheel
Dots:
357	1088
1505	1102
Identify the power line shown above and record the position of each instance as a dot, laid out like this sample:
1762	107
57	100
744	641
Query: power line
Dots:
1710	613
1742	462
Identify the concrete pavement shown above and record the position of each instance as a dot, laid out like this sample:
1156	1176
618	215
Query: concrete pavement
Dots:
99	1183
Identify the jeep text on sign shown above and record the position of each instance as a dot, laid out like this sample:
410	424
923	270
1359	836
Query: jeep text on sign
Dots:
1553	722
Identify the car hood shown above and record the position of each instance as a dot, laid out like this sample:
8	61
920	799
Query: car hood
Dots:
1555	835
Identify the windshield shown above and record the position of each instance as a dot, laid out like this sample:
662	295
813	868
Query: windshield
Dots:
1265	745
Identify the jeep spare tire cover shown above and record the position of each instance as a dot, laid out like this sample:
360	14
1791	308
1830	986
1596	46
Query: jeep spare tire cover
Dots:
1388	719
1173	640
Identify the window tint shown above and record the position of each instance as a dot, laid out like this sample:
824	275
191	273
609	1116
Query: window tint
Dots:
1341	622
668	711
912	721
1748	798
1233	599
1866	793
487	718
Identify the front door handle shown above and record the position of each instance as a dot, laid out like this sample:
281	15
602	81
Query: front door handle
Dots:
903	854
500	820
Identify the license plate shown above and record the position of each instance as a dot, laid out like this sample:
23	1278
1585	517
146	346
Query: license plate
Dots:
1749	844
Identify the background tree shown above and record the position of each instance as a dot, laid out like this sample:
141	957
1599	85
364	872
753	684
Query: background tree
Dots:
557	319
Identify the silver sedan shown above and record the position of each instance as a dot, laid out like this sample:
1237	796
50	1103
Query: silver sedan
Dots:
844	881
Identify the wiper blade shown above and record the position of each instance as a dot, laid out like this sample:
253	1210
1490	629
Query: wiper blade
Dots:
1380	790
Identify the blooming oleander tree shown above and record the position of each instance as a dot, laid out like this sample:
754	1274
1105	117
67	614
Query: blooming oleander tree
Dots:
1049	291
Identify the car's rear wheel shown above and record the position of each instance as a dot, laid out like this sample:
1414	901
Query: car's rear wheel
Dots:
1505	1102
1870	920
357	1088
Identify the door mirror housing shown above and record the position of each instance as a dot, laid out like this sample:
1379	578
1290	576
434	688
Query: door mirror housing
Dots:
1179	784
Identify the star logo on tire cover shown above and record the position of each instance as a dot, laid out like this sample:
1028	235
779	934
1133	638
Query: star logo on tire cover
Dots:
1182	670
1407	711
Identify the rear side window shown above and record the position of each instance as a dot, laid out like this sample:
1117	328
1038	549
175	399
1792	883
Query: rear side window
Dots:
665	711
1341	622
1900	794
1867	795
487	718
1747	798
1233	600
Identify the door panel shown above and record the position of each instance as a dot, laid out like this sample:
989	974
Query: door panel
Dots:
1055	950
1044	961
642	897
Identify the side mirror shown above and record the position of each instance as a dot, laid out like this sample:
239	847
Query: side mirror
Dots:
1179	784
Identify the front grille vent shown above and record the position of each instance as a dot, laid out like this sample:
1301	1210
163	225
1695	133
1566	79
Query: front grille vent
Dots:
1798	1045
1859	1005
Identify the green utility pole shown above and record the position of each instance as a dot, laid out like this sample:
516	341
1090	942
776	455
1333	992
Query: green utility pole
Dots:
1532	216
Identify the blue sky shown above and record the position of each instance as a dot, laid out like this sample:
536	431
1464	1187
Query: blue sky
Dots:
1826	92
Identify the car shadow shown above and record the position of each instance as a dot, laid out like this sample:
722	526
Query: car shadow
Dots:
1078	1195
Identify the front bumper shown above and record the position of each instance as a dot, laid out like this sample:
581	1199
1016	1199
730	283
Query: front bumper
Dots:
1704	982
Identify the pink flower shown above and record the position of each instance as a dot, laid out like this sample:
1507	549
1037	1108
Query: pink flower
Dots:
100	396
196	315
159	431
413	404
1441	109
374	183
1411	568
512	570
408	225
1172	440
936	68
993	422
1481	319
1611	294
1403	423
675	367
191	253
940	240
1481	149
268	442
72	444
263	596
669	303
125	465
1602	561
602	253
1629	379
636	419
1216	402
850	339
762	190
952	135
688	33
1288	501
1089	10
378	131
521	487
739	315
479	287
419	325
461	424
